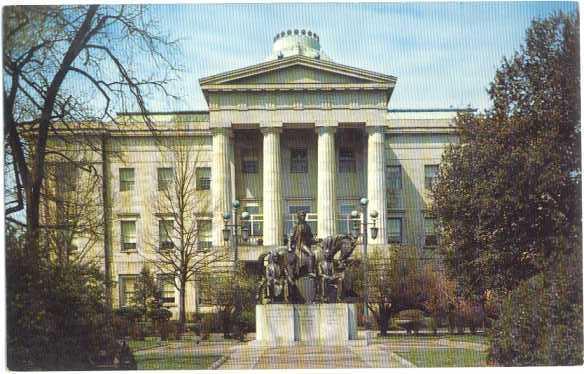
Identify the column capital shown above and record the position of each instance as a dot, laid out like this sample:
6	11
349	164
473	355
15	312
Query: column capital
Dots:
221	130
271	130
325	129
220	124
268	124
371	128
330	124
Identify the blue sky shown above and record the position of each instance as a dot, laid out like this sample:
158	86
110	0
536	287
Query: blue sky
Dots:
443	54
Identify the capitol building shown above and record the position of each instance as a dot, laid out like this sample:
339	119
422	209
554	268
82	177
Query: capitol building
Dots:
298	131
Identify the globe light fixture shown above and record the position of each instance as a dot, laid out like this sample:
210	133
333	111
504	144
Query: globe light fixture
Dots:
374	232
226	234
245	227
236	204
364	201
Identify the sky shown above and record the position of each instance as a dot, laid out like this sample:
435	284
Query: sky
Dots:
443	54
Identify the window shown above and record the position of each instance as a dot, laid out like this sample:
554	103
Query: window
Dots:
347	163
126	179
67	175
203	178
165	229
166	288
127	284
394	230
254	224
128	230
204	232
165	178
344	222
431	238
394	177
430	173
249	163
298	160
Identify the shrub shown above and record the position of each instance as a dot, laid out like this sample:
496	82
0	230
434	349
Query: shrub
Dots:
208	325
130	313
432	324
160	315
541	320
248	320
411	320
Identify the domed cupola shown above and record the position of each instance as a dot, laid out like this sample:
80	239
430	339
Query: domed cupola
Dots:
297	42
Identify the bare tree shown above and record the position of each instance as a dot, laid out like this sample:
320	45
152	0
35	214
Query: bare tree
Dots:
71	212
67	70
181	252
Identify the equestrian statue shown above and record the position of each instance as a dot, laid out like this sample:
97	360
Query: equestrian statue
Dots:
300	273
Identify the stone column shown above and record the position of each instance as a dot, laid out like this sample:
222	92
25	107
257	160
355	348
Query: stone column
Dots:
376	183
327	194
220	181
272	187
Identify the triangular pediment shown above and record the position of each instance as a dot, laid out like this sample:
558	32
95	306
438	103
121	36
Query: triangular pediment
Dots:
298	74
298	70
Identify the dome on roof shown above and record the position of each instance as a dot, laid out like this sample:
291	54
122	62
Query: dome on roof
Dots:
296	42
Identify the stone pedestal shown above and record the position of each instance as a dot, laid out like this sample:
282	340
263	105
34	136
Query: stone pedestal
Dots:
318	324
275	324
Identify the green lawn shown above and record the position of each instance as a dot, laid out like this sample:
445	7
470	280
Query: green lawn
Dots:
480	339
162	361
136	345
449	357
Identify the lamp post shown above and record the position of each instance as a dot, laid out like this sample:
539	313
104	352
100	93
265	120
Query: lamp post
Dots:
230	229
355	233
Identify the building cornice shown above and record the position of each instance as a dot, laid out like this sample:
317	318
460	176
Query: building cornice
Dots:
297	60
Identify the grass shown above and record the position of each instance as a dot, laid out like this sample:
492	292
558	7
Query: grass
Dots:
480	339
161	361
136	345
450	357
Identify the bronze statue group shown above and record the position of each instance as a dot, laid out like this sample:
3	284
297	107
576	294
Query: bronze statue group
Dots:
298	275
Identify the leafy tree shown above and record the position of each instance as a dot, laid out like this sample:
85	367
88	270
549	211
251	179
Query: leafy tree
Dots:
508	196
232	293
70	333
540	321
397	282
145	290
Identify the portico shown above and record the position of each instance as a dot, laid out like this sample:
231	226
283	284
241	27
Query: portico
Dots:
297	124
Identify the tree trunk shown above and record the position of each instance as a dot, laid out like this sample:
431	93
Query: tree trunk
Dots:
182	314
384	315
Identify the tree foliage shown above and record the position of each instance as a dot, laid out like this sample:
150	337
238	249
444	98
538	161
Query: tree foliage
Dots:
67	70
399	280
508	196
540	321
72	330
232	293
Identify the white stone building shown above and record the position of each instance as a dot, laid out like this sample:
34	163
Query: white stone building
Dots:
297	132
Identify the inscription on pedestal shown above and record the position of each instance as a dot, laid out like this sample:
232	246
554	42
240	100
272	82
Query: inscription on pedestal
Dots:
327	324
308	322
334	324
